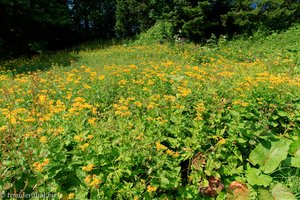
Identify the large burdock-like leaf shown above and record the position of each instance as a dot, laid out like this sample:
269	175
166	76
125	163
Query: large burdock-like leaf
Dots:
281	192
269	158
255	177
265	194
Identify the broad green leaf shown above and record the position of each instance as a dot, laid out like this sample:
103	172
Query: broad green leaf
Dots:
295	161
81	194
281	192
255	177
295	146
265	195
269	159
282	113
164	181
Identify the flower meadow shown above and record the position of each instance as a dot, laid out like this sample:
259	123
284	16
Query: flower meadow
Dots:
154	122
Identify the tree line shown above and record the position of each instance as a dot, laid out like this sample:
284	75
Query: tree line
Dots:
31	26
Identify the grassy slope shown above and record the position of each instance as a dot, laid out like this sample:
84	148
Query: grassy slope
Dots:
138	113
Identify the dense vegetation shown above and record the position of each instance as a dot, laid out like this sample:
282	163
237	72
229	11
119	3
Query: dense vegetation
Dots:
29	26
155	121
204	103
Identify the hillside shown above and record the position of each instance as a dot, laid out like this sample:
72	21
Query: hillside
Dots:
155	121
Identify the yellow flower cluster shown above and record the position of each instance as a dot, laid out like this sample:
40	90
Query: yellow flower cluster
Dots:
78	105
122	109
161	147
84	146
14	116
200	108
39	166
93	181
152	105
59	107
88	168
183	91
71	195
170	98
43	139
240	102
151	188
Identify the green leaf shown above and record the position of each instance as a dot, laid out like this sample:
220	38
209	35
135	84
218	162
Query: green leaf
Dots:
81	194
295	161
269	159
281	192
234	113
295	146
255	177
282	113
265	195
164	181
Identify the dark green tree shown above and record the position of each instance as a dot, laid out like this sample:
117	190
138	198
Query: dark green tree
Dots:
93	18
32	25
251	15
132	17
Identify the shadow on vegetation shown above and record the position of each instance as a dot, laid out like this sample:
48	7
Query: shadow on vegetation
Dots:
45	61
39	62
99	44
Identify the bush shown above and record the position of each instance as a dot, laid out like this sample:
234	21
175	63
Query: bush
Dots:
161	32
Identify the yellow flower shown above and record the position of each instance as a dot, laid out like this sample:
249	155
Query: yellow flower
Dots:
149	118
84	146
90	136
138	104
130	98
86	86
94	110
79	99
200	107
71	195
132	66
101	77
122	82
3	128
221	142
151	188
43	139
92	121
170	98
151	105
240	102
139	137
176	155
160	146
88	168
226	74
42	98
183	91
78	138
87	179
38	166
95	183
69	95
155	97
150	82
170	152
178	106
46	161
